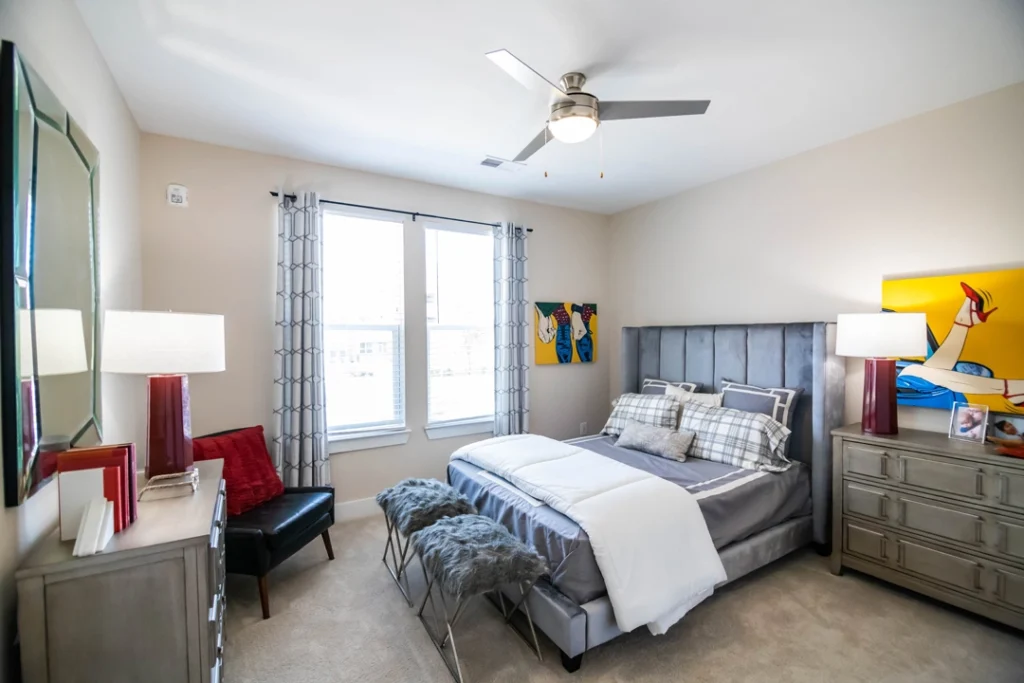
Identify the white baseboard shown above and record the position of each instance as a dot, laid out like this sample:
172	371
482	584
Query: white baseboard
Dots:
356	509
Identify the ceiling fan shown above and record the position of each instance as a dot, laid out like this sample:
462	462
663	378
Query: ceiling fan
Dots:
575	114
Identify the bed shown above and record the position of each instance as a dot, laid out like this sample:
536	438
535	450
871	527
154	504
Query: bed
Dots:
754	517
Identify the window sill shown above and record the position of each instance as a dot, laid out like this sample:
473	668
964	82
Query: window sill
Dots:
448	430
361	441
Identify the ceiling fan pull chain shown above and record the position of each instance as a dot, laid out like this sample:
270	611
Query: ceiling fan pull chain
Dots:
600	147
546	140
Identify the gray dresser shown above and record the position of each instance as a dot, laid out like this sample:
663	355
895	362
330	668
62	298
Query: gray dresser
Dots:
942	517
148	608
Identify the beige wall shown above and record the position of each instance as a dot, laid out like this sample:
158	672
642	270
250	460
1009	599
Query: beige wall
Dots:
218	256
53	38
814	235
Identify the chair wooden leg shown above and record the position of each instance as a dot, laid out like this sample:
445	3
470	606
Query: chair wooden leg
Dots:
327	544
264	596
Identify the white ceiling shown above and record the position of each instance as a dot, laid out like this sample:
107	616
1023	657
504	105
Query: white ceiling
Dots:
402	87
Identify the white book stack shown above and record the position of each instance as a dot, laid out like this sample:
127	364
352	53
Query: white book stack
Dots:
96	528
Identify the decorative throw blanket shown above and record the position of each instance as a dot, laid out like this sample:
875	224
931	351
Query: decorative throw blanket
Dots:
649	537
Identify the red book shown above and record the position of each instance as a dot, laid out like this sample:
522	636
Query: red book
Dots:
101	456
112	491
133	483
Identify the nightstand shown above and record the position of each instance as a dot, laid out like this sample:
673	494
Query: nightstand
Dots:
938	516
150	607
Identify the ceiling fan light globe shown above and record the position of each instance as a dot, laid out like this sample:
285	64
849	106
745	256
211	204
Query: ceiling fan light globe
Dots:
572	129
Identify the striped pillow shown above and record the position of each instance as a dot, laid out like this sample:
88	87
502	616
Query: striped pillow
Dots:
734	437
659	411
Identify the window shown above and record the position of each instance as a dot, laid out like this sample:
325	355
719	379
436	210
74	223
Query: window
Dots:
364	335
460	325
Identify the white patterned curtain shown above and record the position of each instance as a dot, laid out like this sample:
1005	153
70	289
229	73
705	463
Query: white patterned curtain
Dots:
511	332
300	422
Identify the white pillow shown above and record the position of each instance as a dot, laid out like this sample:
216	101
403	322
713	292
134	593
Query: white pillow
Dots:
683	396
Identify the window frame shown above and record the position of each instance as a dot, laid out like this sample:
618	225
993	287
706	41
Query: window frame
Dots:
362	436
464	426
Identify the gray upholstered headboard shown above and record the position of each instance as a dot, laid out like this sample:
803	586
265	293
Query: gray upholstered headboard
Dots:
768	355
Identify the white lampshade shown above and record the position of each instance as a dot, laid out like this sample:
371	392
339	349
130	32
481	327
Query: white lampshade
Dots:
60	342
159	343
882	335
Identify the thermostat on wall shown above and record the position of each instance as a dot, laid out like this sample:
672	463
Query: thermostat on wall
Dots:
177	195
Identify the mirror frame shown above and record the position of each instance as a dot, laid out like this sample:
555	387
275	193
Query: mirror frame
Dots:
15	73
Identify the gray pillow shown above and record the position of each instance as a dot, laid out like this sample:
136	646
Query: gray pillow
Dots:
664	442
778	404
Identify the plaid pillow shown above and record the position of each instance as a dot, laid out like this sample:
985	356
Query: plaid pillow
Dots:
734	437
657	410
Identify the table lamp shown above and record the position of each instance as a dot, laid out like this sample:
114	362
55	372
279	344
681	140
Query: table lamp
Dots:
164	346
59	349
880	338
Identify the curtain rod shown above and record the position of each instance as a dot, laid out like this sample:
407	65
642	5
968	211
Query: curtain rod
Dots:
407	213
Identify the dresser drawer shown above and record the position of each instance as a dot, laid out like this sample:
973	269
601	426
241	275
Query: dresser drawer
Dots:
942	476
860	540
1010	487
867	501
939	565
1009	589
954	524
866	461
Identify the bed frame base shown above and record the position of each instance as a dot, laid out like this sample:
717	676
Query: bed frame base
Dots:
571	664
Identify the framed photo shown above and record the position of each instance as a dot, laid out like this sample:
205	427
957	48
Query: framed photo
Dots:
1006	430
968	422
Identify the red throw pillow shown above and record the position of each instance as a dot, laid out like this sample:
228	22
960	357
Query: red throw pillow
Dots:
249	476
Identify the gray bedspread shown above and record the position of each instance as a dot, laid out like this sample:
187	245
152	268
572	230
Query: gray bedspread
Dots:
736	504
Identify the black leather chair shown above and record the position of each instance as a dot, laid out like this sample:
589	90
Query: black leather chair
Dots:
258	540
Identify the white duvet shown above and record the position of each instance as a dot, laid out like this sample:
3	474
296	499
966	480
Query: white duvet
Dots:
649	537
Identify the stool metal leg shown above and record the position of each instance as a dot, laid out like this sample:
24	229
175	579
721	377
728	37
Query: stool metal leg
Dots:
399	559
438	638
535	645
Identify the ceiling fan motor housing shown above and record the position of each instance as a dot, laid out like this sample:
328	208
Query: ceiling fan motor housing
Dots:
575	104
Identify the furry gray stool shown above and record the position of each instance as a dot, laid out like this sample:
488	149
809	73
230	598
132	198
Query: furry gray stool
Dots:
467	556
411	505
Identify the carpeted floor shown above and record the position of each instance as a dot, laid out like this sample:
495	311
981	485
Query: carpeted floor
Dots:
792	621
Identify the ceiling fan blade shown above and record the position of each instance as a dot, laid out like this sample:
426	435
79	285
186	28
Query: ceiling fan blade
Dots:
611	111
521	71
535	144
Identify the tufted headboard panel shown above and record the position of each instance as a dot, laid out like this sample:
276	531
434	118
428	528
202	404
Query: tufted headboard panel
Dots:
768	355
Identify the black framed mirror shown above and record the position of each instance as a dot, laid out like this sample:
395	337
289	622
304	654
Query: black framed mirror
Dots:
49	290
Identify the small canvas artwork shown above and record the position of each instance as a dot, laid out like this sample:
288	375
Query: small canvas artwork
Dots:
565	333
968	422
974	333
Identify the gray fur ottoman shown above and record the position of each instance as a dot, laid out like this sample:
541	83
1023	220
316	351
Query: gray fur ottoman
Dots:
467	556
411	505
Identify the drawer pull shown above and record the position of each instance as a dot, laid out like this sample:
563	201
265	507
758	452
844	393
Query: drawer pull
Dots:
902	469
213	608
1003	487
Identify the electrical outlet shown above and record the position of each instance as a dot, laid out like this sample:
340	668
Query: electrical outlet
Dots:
583	428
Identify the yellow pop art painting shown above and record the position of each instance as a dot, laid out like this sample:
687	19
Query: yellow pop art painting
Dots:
565	333
975	339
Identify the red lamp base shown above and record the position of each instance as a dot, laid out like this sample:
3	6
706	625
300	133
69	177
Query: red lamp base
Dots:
169	434
879	415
